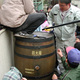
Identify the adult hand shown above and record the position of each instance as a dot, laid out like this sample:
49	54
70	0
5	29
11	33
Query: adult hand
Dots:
60	52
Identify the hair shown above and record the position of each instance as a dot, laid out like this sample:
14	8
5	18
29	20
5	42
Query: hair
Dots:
77	45
65	1
49	7
73	64
78	36
54	2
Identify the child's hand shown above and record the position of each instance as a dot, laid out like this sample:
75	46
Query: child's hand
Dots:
54	77
23	78
60	52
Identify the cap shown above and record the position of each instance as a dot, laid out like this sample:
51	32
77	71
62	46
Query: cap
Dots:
73	54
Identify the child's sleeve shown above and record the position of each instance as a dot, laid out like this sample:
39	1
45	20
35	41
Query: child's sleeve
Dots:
65	64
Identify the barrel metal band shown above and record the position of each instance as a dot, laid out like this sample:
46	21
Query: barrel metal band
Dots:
39	77
34	47
34	57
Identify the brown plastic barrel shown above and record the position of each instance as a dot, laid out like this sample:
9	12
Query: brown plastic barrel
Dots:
35	56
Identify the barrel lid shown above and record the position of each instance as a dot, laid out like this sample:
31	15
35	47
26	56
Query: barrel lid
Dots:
37	35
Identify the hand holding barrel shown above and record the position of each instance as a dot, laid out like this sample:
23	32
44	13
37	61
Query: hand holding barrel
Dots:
23	78
60	52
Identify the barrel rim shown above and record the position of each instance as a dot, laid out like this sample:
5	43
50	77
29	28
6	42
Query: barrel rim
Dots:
33	40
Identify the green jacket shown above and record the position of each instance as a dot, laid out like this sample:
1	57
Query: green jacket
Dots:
70	73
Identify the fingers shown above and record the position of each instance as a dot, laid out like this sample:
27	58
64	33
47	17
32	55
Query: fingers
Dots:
60	52
23	79
54	76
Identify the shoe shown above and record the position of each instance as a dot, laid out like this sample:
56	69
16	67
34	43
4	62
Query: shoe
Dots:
24	34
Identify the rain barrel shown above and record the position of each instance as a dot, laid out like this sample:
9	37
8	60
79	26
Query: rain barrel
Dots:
35	56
